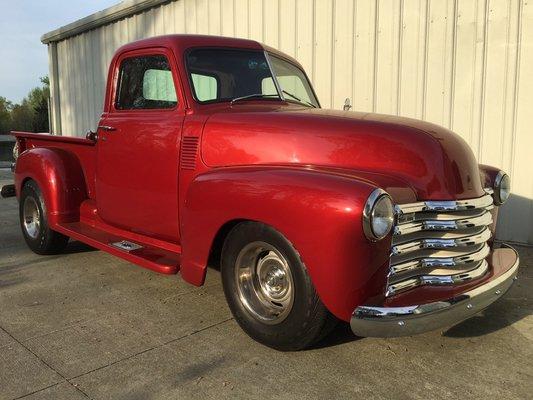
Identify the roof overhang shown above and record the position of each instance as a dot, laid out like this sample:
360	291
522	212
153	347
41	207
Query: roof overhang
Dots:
122	10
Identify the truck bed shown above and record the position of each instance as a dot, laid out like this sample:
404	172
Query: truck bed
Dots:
83	149
48	137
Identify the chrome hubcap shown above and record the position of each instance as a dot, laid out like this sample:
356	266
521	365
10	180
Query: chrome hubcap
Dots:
31	217
264	282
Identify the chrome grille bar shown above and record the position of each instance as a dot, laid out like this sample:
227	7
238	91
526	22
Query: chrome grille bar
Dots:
435	243
438	280
448	205
439	243
437	224
440	262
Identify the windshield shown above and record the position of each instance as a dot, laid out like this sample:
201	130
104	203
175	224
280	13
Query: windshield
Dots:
235	75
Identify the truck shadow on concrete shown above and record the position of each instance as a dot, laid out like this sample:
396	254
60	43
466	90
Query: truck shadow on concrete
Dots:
500	315
341	334
513	307
74	247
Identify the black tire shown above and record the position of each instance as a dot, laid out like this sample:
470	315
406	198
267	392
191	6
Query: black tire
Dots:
308	320
39	237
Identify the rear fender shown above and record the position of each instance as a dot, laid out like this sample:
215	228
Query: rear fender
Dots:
60	177
320	213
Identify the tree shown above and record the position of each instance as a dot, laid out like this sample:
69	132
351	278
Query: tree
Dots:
31	114
5	115
22	117
38	101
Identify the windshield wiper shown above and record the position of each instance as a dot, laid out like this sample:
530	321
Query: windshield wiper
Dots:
252	96
305	102
261	95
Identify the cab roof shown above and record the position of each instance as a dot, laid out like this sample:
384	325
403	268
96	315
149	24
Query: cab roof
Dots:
181	42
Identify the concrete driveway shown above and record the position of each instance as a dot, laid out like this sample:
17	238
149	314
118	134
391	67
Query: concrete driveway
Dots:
85	324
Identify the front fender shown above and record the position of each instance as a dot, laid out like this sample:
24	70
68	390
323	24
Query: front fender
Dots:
320	213
60	177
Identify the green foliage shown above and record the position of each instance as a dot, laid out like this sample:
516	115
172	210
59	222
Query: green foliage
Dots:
22	117
5	115
30	115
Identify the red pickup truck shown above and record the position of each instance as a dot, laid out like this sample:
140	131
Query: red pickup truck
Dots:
215	151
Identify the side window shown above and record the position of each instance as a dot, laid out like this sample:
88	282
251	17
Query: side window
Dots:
145	82
205	87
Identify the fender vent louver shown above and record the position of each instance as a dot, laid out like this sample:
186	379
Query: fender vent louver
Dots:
189	152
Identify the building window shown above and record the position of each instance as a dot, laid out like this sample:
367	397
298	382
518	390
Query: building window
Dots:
145	82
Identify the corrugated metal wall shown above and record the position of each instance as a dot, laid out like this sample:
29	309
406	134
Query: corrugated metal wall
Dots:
463	64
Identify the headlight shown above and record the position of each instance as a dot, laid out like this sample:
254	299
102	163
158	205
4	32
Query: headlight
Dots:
378	215
16	151
502	188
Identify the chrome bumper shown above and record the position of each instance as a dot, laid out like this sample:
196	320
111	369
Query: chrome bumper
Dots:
372	321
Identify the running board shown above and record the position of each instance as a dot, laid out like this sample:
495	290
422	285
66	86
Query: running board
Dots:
155	258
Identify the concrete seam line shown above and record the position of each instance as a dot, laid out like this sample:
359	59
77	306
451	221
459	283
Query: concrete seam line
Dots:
44	362
103	317
65	328
150	349
37	391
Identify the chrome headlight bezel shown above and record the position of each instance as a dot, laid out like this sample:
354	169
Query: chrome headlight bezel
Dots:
378	201
502	188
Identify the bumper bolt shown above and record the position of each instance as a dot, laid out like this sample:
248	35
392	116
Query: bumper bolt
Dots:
469	306
498	291
401	323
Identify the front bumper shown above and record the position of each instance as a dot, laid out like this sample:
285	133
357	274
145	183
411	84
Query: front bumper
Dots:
375	321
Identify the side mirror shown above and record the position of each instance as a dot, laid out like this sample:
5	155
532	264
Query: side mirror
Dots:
90	135
347	105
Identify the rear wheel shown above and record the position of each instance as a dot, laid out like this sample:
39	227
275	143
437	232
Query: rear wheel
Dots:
32	213
269	290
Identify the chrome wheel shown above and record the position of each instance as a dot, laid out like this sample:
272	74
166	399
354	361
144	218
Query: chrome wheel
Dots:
264	282
31	217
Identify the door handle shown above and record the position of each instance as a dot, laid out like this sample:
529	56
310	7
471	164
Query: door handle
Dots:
107	128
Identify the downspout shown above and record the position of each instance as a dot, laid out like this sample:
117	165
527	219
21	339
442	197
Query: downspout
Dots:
55	120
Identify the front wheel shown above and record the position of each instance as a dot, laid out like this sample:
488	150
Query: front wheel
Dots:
32	212
269	290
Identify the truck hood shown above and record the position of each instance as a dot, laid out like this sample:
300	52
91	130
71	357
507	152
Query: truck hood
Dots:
434	162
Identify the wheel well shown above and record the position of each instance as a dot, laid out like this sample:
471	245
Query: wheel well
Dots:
26	180
23	183
215	252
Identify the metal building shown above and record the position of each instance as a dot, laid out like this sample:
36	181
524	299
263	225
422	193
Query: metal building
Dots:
463	64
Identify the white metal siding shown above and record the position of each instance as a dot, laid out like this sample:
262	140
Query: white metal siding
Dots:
463	64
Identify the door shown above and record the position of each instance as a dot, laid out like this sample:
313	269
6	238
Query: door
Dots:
138	146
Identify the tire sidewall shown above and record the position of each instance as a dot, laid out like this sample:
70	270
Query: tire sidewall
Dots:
294	326
38	244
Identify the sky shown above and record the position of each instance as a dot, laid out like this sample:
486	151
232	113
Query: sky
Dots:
23	58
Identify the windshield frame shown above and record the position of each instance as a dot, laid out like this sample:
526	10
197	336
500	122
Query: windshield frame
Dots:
267	55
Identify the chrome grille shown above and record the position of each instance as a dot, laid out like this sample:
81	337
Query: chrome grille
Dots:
439	243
